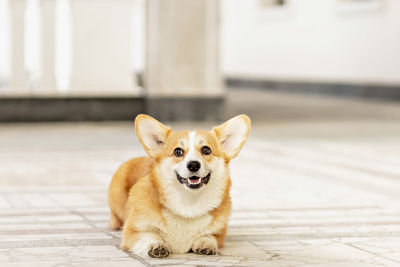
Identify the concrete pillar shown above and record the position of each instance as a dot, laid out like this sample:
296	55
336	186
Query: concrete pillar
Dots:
47	84
183	56
182	48
101	47
19	77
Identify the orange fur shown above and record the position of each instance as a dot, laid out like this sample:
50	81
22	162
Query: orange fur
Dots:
137	196
126	176
222	212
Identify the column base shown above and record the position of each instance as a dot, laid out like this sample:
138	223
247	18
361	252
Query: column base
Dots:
185	108
34	108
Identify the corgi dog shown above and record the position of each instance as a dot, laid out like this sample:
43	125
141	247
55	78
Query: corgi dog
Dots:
177	199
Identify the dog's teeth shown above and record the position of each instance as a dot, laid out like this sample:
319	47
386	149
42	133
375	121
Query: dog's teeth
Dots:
197	181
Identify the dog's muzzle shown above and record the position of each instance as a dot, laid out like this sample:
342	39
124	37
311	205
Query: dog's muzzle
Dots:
193	182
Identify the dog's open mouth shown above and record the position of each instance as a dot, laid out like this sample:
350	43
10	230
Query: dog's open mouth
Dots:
193	182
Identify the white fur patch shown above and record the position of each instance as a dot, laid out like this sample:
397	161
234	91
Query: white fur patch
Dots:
190	203
181	233
192	140
191	155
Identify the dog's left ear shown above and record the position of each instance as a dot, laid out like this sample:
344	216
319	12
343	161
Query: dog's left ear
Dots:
151	133
232	134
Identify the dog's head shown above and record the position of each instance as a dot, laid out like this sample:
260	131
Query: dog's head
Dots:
193	161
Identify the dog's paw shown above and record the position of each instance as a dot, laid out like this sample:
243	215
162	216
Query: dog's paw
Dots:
206	245
159	250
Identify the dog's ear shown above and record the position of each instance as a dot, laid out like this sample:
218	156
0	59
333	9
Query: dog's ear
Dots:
232	134
151	133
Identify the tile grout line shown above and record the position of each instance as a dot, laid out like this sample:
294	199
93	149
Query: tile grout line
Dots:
371	252
130	254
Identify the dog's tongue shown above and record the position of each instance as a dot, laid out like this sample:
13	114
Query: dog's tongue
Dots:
194	180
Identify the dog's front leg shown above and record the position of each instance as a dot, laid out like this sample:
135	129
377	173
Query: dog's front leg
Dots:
145	243
205	245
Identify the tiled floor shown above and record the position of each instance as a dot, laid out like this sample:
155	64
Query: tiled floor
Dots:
309	192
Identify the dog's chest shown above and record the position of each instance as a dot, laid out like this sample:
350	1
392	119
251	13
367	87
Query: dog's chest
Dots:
180	233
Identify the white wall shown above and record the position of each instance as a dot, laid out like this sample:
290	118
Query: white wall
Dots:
312	40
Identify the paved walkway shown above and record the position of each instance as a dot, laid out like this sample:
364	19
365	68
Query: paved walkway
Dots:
305	193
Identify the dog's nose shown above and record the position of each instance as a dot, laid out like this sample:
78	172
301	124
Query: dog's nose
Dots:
193	166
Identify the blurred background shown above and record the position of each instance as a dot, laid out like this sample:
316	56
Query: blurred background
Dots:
66	60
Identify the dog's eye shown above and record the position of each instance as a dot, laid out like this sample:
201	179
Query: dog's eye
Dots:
206	150
178	152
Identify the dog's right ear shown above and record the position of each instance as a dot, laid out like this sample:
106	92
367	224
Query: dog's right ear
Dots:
151	133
